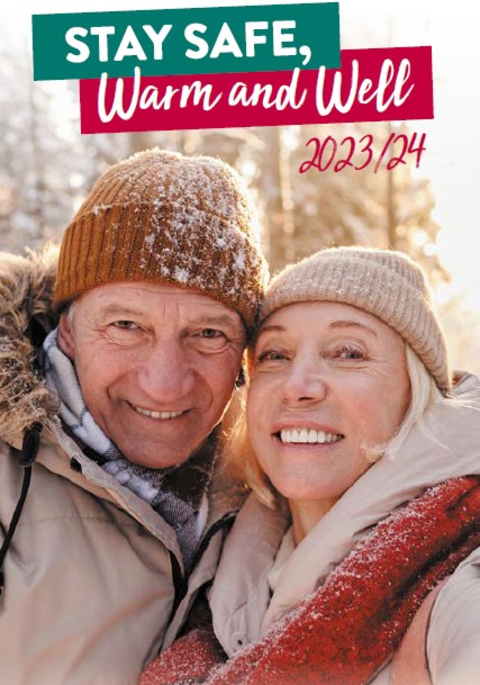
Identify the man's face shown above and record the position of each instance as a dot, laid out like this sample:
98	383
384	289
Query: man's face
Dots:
157	365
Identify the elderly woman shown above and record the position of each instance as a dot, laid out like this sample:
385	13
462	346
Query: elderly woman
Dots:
363	463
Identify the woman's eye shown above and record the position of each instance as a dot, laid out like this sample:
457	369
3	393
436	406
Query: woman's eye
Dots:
350	353
270	356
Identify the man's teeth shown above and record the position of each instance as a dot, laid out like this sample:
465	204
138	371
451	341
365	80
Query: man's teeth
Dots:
158	414
308	436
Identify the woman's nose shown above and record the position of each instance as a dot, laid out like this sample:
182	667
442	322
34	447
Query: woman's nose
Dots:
165	374
305	382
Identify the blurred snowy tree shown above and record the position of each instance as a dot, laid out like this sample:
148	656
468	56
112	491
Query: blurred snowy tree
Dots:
39	184
344	206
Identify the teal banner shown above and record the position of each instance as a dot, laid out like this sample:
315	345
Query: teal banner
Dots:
210	40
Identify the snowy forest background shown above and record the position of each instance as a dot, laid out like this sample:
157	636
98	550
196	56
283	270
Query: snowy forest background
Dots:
47	167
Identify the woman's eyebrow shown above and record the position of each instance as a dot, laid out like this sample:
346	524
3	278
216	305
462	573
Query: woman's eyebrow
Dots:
335	324
354	324
270	328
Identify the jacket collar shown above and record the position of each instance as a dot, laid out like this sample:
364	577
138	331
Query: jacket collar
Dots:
240	593
26	288
61	455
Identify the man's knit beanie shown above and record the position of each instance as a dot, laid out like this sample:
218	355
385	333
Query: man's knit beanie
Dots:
385	283
162	217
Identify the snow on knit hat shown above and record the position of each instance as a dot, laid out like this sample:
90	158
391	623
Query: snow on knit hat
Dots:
163	217
385	283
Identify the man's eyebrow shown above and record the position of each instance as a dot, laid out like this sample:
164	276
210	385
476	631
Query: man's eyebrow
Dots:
118	309
210	320
215	320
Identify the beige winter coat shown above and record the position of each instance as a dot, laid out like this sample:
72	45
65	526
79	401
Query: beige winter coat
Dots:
93	572
241	601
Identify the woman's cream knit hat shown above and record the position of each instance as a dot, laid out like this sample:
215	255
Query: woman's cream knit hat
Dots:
384	283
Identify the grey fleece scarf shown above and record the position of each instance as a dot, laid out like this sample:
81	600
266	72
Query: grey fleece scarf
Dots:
178	494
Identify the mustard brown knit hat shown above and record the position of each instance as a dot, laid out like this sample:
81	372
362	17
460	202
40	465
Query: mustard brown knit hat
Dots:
163	217
385	283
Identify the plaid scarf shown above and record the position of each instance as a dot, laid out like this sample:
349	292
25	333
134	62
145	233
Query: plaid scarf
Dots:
346	631
179	493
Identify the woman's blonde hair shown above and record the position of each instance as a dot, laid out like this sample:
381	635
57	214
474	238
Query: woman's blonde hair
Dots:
240	458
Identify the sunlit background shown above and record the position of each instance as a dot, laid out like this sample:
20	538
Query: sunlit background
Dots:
47	166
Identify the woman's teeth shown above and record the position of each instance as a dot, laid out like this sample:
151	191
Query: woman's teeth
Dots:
308	436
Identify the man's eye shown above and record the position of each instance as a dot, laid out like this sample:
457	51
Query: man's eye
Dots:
211	334
125	325
209	340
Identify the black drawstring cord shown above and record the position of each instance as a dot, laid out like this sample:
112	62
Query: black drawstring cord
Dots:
28	454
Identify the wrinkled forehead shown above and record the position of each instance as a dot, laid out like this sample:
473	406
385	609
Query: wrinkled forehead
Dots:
156	299
312	317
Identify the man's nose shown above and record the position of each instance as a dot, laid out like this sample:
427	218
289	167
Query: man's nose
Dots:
165	374
306	382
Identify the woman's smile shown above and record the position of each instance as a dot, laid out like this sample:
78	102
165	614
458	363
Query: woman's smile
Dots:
329	383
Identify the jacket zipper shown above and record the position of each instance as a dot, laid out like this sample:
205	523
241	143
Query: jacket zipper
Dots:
180	581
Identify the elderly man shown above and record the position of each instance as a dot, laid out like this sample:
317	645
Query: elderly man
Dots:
111	509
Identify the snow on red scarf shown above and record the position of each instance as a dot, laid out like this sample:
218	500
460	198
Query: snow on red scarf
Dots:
347	630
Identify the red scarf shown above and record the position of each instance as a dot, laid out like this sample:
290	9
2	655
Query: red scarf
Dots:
347	630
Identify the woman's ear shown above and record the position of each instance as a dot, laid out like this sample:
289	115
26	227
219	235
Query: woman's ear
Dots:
65	336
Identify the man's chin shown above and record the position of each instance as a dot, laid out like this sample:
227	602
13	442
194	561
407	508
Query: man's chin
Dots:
160	455
157	462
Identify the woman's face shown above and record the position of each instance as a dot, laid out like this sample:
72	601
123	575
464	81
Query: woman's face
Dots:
328	381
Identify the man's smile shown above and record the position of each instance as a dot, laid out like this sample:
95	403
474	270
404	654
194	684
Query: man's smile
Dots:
164	415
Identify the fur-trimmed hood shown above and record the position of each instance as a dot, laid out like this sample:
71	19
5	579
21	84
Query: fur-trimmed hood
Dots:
26	316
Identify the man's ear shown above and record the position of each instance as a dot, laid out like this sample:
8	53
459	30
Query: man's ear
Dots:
65	336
